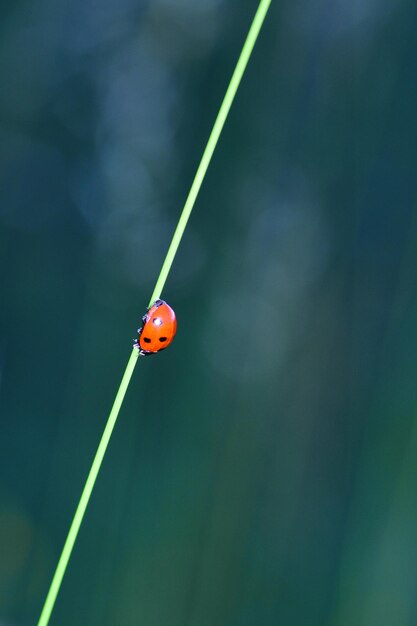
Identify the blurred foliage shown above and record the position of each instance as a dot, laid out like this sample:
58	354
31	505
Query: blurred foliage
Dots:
263	469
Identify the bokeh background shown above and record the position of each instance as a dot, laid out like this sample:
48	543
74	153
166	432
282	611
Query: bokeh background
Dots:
263	470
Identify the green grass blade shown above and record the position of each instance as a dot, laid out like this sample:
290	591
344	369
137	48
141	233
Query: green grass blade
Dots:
85	496
211	144
182	223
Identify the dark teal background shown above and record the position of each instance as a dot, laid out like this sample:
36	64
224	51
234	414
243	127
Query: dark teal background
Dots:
263	469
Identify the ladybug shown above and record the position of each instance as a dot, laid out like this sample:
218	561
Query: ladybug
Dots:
158	329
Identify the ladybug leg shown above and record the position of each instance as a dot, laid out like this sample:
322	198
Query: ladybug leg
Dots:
137	347
144	352
136	341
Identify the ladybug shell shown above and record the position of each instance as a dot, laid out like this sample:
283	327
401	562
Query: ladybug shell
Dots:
159	328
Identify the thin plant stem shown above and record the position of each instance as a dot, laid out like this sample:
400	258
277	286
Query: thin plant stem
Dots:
172	250
86	493
211	144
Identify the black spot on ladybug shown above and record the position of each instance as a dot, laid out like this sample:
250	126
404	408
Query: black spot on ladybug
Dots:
162	339
146	340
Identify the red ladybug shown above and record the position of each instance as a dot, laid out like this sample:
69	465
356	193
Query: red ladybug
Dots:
158	329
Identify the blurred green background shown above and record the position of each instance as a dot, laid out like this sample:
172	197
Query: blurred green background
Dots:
263	469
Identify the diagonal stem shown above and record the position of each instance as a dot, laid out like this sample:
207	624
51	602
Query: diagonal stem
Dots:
211	144
166	266
85	496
